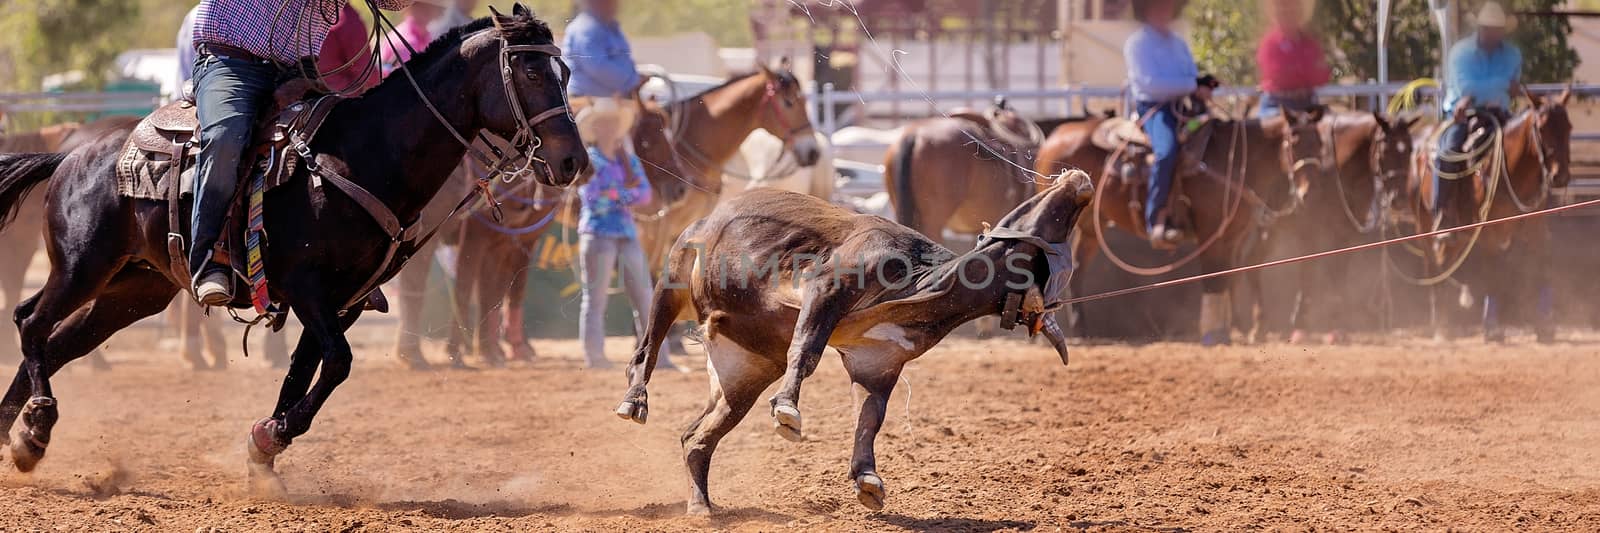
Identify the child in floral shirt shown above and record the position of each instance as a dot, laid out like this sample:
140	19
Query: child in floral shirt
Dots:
606	235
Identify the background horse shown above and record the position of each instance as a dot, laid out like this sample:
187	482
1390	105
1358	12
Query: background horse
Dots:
1505	259
961	172
109	259
1367	154
1249	171
764	161
494	257
708	129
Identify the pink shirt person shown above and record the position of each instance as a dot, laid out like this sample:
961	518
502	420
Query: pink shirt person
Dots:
345	54
1291	62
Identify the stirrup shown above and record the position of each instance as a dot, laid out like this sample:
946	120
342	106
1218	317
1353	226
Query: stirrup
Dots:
213	292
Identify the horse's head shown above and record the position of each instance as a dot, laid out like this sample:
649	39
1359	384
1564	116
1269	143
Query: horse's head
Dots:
1391	154
652	139
1554	136
1302	153
783	113
522	95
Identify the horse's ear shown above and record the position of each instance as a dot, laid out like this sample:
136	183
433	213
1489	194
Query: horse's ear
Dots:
1408	122
1536	100
495	12
1315	115
520	10
784	64
1383	121
1566	94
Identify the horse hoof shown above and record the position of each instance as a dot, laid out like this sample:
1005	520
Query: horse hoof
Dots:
1297	337
1215	339
25	453
699	509
786	421
265	483
870	491
637	412
1335	338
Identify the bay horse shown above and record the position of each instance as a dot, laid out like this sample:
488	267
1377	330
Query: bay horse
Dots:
1368	155
1250	172
962	171
1503	260
110	265
493	260
708	129
880	293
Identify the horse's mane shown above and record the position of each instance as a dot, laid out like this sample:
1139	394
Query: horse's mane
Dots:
516	29
785	79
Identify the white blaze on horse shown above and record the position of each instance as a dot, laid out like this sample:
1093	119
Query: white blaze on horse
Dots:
880	293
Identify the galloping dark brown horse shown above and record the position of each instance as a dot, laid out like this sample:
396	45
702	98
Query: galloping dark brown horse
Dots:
109	258
1250	170
1511	259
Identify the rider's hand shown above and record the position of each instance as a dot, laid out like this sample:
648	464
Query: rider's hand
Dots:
1460	112
1203	93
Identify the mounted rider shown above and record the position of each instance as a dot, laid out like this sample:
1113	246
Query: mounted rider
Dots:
244	48
600	57
1485	73
1162	74
1290	60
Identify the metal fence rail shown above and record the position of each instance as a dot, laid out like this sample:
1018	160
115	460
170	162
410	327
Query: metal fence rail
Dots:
77	102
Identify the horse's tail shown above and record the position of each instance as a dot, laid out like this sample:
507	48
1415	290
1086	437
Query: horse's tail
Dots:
19	174
905	206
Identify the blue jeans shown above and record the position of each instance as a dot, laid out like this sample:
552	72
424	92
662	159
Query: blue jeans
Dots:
228	95
1273	105
1162	128
1454	140
599	256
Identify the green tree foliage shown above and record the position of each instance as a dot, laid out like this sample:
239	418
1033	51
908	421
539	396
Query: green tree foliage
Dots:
42	37
1223	37
1225	32
727	21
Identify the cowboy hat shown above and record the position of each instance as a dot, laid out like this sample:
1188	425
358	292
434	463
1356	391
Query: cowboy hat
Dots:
1493	15
605	119
1139	7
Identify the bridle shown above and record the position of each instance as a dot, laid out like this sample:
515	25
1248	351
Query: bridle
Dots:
525	142
772	102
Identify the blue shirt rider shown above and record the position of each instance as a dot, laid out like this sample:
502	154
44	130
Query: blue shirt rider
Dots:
1484	71
598	52
1161	73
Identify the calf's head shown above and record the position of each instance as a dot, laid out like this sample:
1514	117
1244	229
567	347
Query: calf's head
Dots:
1040	230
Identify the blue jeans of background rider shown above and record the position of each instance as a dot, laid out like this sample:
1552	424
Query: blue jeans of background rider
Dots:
599	256
1453	140
1162	127
228	94
1273	105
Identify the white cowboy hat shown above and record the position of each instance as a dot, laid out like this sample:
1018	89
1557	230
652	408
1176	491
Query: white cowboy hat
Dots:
1493	15
605	119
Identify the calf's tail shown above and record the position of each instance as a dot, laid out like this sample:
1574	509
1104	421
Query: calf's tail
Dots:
19	174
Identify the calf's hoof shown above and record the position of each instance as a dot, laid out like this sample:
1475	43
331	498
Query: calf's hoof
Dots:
786	421
870	491
638	412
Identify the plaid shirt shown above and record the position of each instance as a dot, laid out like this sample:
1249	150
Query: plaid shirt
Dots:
279	30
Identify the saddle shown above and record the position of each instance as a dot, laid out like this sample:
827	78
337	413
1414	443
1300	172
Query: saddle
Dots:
157	163
1117	134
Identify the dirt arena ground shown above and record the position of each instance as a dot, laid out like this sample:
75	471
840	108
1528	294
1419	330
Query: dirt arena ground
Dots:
983	436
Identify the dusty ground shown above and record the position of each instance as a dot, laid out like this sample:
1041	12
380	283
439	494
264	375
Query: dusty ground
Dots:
983	436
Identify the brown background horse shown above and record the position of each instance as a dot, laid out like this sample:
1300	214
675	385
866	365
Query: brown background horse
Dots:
1277	159
1538	158
960	172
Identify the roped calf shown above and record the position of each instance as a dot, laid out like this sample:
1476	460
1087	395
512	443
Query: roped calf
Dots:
775	277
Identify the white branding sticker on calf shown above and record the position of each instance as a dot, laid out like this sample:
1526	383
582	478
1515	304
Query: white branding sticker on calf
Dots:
891	333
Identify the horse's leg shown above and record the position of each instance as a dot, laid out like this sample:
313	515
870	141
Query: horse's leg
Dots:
513	325
493	289
874	373
131	295
1214	305
1495	290
322	344
738	376
189	334
413	295
471	260
13	273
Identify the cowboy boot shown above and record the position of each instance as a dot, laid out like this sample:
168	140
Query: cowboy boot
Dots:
213	283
